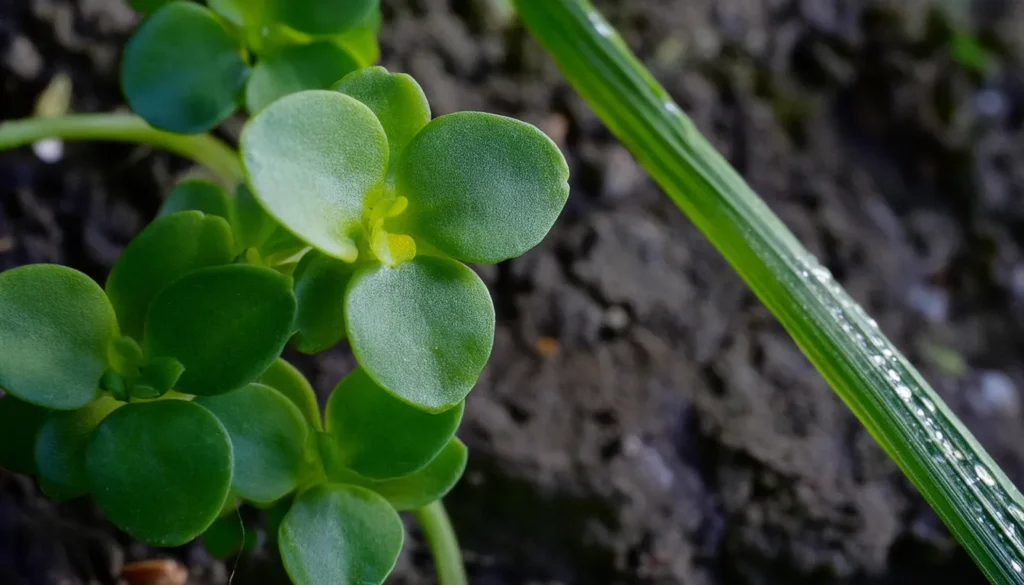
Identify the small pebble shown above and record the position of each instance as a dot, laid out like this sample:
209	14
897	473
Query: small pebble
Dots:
155	572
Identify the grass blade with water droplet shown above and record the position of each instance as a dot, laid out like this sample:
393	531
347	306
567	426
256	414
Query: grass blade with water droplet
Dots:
969	492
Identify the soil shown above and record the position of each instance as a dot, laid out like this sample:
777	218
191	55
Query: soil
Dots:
643	419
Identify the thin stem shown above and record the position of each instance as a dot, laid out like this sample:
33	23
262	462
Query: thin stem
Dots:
204	149
440	535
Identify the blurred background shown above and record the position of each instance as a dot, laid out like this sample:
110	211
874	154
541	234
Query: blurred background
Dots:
643	419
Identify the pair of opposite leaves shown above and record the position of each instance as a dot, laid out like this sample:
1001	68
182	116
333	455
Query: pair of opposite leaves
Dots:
185	69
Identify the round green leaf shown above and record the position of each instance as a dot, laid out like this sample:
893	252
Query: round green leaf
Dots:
429	484
55	328
239	12
312	158
482	188
160	470
253	226
361	40
61	446
423	330
320	283
322	17
198	195
268	436
396	99
228	536
19	426
225	324
295	68
380	436
169	248
182	69
287	380
340	534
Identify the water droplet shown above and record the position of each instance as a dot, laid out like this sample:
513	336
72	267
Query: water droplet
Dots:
673	109
878	360
928	404
877	341
984	475
1016	566
893	375
873	323
904	393
603	28
887	353
1017	513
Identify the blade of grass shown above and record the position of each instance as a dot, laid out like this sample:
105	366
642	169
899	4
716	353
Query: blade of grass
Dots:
944	461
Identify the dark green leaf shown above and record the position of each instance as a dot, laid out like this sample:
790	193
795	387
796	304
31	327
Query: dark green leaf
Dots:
312	158
295	68
19	427
146	6
429	484
225	324
168	249
323	17
284	378
269	436
161	374
161	470
482	188
182	69
396	99
56	326
241	13
423	330
229	535
320	283
61	446
253	226
361	41
198	195
340	534
380	436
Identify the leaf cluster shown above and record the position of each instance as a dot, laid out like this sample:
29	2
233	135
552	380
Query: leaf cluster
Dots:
189	66
163	394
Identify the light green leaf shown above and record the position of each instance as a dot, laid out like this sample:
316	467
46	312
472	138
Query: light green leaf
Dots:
395	98
160	470
423	330
323	17
380	436
320	283
198	195
342	535
159	376
225	324
311	159
182	70
482	188
19	426
287	380
169	248
61	446
241	13
268	434
429	484
361	41
295	68
55	328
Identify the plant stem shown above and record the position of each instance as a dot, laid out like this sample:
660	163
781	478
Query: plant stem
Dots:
440	535
204	149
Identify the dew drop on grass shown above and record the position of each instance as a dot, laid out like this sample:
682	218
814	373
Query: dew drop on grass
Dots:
602	27
984	476
904	392
1016	566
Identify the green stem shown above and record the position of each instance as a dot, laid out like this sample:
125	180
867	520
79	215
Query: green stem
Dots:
445	546
204	149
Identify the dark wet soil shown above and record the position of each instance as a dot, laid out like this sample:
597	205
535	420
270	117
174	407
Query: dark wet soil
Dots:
643	419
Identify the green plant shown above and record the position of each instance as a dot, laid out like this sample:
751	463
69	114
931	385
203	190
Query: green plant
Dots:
163	394
959	479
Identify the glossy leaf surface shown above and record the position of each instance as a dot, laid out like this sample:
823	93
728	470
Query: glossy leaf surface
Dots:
161	470
312	158
321	17
182	70
340	534
19	426
481	187
55	328
290	382
320	284
198	195
225	324
61	446
395	98
423	330
268	436
295	68
380	436
168	249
